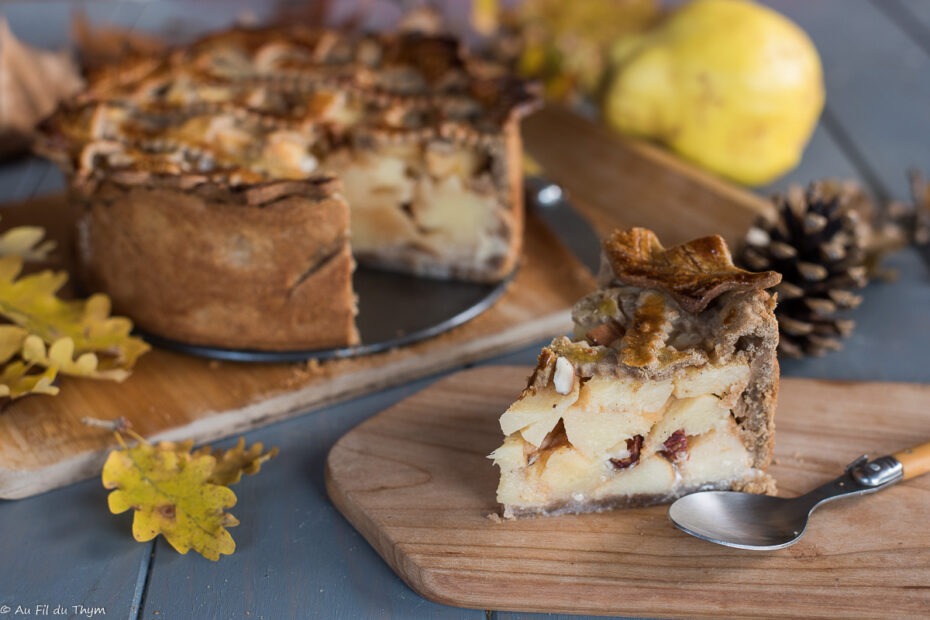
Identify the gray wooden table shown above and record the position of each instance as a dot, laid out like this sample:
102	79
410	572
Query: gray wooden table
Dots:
297	556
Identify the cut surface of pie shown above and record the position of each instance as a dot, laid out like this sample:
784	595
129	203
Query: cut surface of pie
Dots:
668	387
247	171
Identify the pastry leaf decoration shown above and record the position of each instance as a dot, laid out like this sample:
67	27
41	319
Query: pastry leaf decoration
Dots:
182	495
694	273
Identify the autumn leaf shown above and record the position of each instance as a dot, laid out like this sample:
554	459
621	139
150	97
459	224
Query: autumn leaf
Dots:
27	243
60	355
16	380
12	338
180	494
31	303
170	492
233	463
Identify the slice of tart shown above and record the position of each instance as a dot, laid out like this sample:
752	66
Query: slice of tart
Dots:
668	387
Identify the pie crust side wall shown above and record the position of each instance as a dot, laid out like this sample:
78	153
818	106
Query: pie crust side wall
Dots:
205	266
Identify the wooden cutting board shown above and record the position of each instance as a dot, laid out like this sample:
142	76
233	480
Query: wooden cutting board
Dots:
43	443
613	182
415	481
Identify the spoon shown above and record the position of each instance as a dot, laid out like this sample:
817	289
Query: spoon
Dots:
763	522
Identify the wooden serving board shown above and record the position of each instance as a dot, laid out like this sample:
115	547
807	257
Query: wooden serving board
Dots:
617	182
415	481
43	443
613	182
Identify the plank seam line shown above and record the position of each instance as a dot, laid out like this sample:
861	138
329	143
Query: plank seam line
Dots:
856	157
142	582
905	19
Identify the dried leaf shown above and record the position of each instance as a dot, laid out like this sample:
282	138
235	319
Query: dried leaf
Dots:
31	302
233	463
170	492
12	338
16	381
61	356
26	242
33	82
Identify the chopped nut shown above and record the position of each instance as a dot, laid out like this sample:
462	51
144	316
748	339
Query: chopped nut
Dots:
633	445
564	376
675	448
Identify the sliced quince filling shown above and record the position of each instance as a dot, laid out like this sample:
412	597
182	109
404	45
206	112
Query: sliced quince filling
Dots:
607	440
433	209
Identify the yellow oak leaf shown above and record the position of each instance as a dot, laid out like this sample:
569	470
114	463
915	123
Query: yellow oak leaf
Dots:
12	338
26	242
16	381
170	492
30	301
232	463
60	355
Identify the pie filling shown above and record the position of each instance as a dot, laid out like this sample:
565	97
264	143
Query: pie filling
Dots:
590	442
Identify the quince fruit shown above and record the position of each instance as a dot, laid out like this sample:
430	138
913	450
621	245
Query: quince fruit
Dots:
732	85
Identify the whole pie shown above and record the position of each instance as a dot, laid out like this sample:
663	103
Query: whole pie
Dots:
668	387
224	191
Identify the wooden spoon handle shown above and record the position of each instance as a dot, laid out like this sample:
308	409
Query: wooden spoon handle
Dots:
915	461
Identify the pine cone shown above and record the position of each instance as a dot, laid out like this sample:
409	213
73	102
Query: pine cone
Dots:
817	244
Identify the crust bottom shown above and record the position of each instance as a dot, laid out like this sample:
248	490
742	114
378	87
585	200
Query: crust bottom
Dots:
759	483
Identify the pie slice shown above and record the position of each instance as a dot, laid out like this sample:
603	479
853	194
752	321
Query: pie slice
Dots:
668	387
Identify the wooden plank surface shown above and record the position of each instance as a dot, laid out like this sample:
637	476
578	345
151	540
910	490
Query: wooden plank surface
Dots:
43	443
49	556
416	481
877	87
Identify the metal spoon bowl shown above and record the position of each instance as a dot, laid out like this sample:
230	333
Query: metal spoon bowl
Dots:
762	522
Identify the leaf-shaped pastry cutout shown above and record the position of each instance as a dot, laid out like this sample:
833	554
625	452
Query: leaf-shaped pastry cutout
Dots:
694	273
170	492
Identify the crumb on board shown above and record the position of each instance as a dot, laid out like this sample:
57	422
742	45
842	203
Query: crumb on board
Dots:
496	518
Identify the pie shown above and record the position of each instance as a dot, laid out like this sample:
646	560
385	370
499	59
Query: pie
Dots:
668	387
224	191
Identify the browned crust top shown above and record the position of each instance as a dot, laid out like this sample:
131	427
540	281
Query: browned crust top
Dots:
140	114
694	273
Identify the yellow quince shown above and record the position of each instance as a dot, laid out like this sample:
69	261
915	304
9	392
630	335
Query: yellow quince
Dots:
730	84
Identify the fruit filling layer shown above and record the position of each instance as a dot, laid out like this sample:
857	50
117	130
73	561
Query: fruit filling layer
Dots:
608	440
